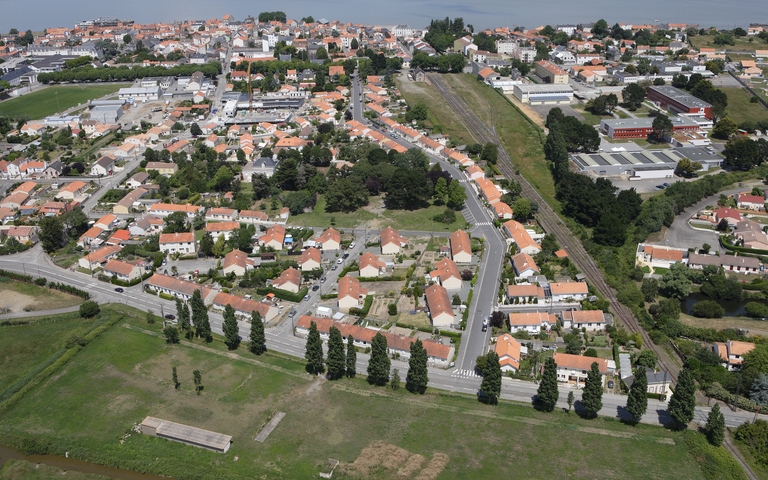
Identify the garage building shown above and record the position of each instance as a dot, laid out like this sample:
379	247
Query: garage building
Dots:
544	94
644	164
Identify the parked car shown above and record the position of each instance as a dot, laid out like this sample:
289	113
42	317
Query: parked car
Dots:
170	316
666	184
119	290
339	261
292	314
334	267
345	256
352	245
315	288
306	297
322	279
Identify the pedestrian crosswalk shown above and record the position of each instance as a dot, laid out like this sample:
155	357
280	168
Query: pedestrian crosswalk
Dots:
465	373
478	224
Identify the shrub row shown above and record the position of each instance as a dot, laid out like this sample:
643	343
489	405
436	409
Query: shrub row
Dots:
284	294
715	390
16	276
362	312
328	296
396	278
69	289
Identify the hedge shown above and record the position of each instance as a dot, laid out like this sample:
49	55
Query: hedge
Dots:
68	289
735	248
16	276
715	390
166	296
115	281
284	294
396	278
366	307
328	296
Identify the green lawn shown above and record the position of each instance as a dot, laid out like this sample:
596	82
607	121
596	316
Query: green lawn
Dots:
42	103
23	470
522	140
25	346
420	219
88	406
742	43
739	109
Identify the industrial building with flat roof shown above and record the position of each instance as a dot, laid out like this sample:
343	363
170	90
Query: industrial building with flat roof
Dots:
678	101
642	127
643	164
178	432
544	94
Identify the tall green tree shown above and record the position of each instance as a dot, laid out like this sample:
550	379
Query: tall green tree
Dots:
683	401
715	428
336	361
182	313
417	378
592	396
257	336
52	234
548	393
314	351
231	330
200	317
662	126
175	379
637	401
379	364
440	193
351	356
456	195
758	392
634	95
491	384
198	380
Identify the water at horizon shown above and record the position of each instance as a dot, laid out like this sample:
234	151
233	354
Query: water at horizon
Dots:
489	13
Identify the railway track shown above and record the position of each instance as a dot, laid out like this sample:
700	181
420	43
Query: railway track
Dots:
550	220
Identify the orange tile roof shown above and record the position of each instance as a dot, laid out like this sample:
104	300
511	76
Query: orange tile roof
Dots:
222	226
531	318
445	269
508	350
739	348
330	234
460	243
523	261
438	300
237	257
368	259
350	287
177	285
289	275
584	316
577	362
522	238
241	304
525	291
310	254
119	267
182	237
390	235
565	288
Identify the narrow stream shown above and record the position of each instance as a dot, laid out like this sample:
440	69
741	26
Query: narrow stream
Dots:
74	465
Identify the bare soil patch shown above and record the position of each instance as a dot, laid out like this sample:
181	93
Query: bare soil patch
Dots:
384	460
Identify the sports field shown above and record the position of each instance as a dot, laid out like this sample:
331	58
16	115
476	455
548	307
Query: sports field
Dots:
42	103
89	406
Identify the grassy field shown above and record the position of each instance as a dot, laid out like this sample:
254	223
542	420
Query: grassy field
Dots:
439	116
420	219
40	104
88	408
522	141
739	109
741	44
24	346
18	296
757	327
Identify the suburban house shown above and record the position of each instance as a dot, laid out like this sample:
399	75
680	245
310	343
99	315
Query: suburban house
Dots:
23	234
521	294
351	294
238	262
531	322
99	257
103	166
592	320
391	241
524	265
658	257
447	274
273	237
90	235
14	201
750	202
510	352
217	229
569	291
163	168
147	225
138	179
751	235
264	166
503	211
437	354
521	237
123	271
71	190
244	306
370	266
573	368
182	243
728	262
165	209
129	201
658	382
7	215
220	214
732	353
330	239
106	222
289	280
177	287
253	217
440	307
488	190
461	247
309	259
731	215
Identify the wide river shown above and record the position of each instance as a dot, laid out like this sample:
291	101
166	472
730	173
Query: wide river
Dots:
417	13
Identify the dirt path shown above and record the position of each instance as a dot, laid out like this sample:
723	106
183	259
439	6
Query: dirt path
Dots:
527	110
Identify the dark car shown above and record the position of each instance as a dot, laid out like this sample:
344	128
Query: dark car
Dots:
119	290
666	184
315	287
170	317
610	383
345	256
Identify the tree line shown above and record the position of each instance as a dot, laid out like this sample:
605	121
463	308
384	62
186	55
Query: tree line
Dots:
126	74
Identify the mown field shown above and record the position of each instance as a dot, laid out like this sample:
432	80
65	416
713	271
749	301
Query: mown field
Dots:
89	406
42	103
739	108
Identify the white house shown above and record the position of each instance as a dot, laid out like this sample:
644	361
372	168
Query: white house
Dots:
531	322
569	291
182	243
573	368
592	320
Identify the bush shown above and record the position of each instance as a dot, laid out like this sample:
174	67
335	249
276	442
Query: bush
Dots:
392	309
89	309
755	437
41	281
75	340
715	390
707	309
756	309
